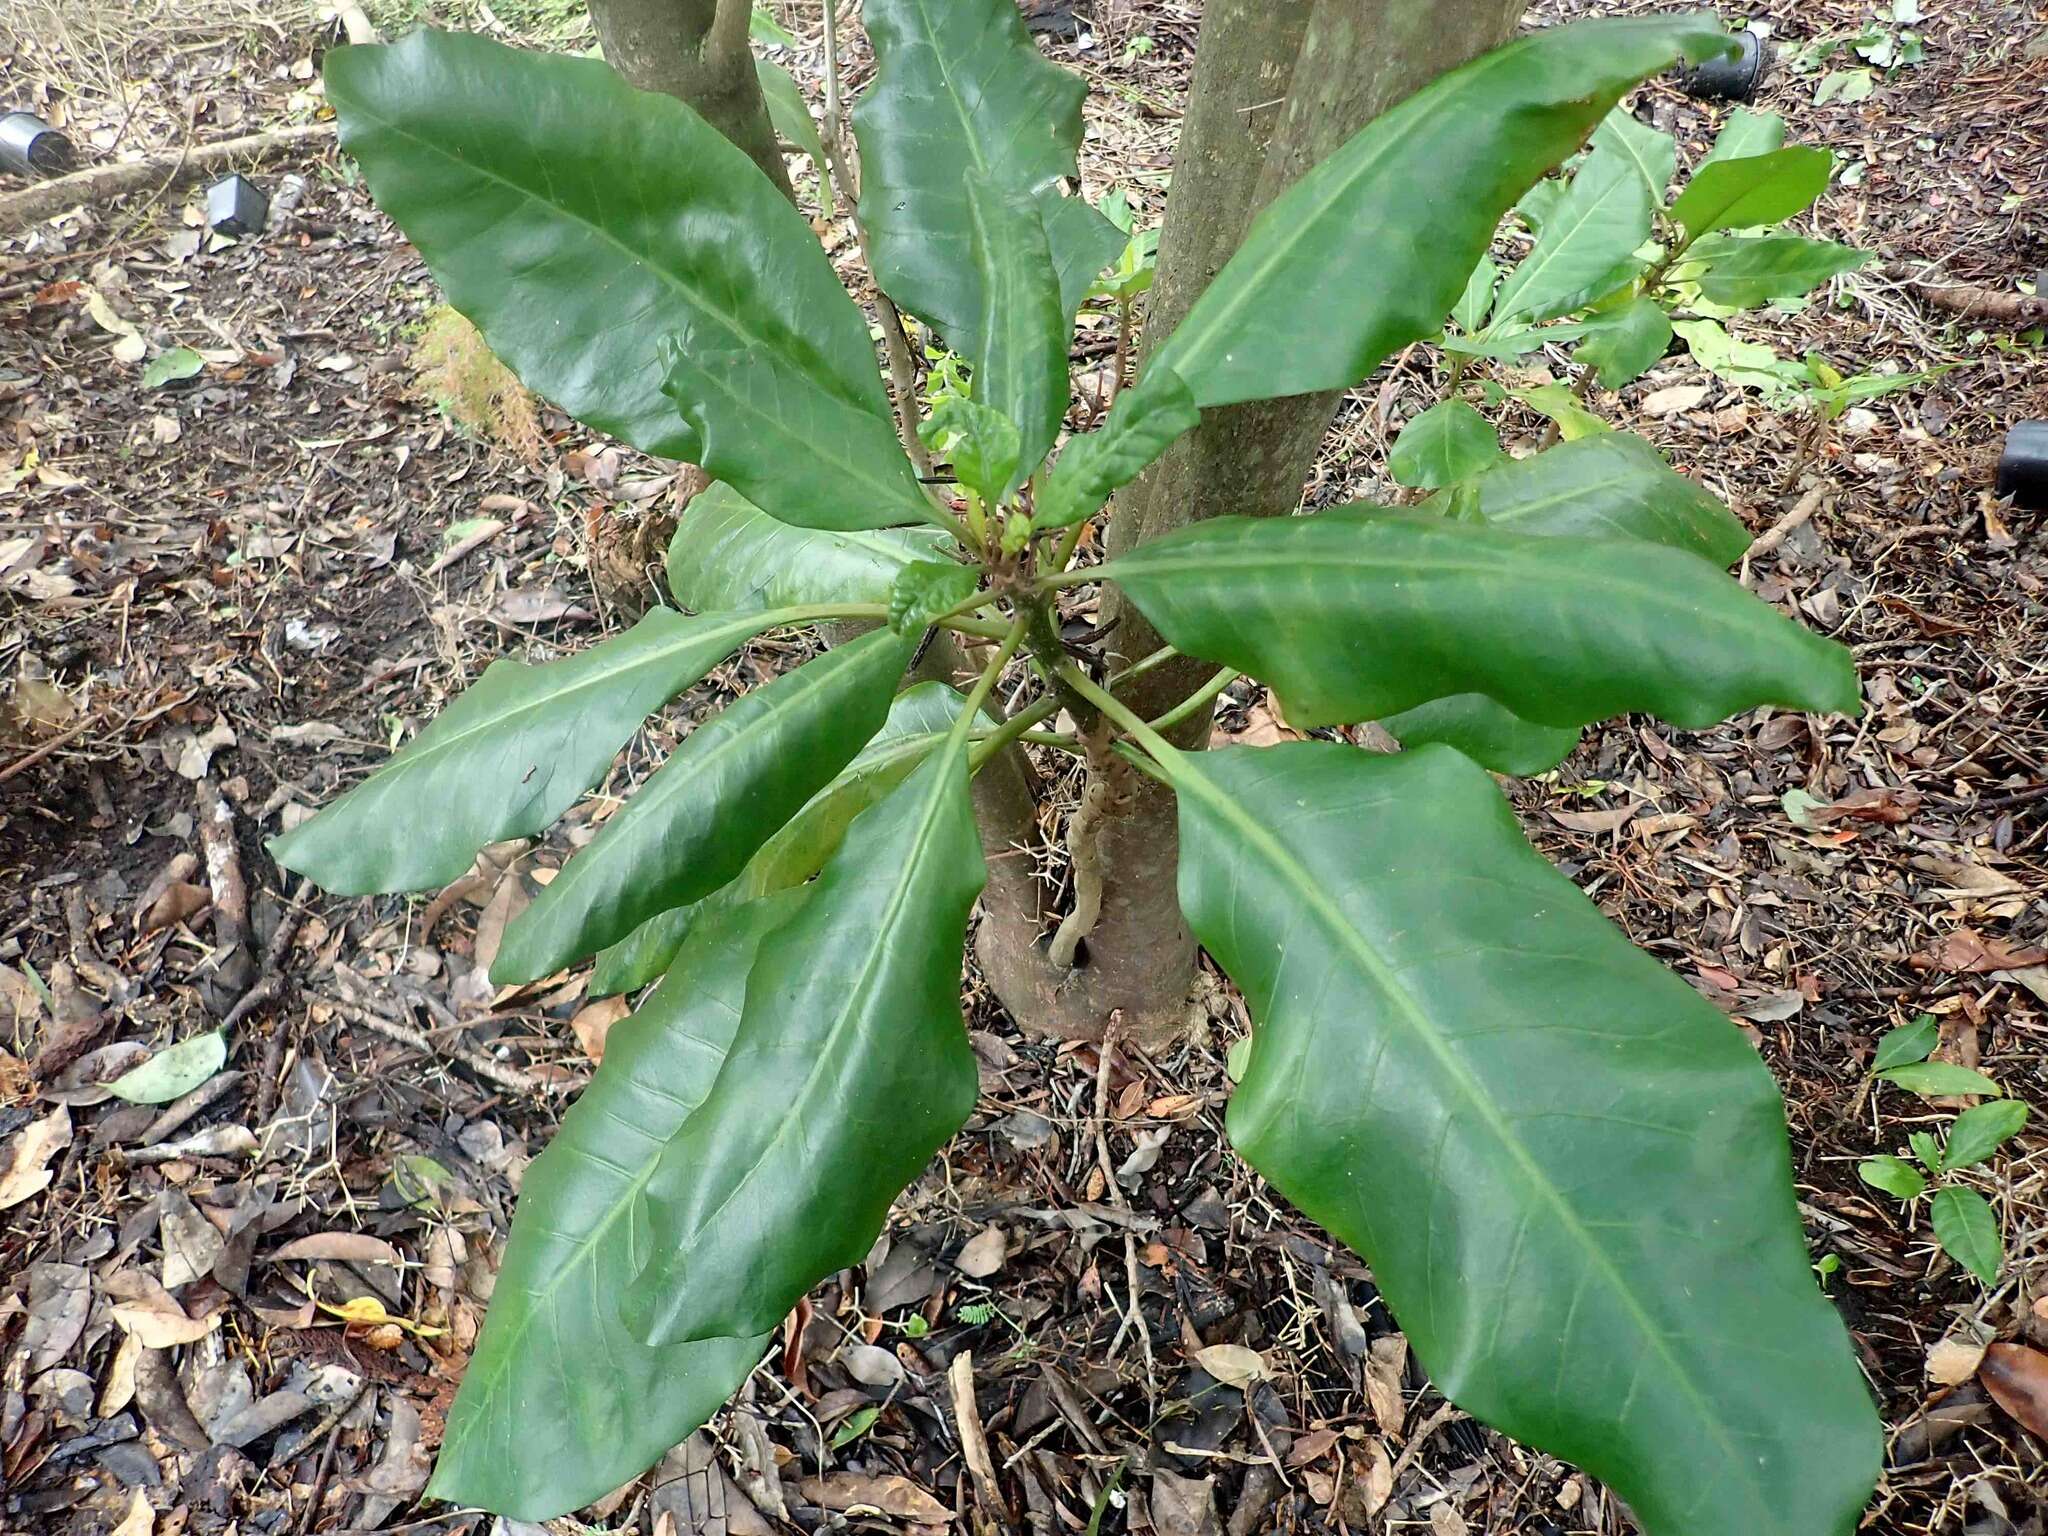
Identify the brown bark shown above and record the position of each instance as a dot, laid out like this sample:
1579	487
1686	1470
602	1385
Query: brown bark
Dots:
1278	85
695	50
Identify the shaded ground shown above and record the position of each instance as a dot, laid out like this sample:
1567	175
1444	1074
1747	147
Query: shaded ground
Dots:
223	593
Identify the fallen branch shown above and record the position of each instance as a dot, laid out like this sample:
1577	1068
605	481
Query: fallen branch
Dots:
101	183
1974	303
487	1067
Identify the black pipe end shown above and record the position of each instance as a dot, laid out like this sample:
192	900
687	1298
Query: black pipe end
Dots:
2023	466
1731	79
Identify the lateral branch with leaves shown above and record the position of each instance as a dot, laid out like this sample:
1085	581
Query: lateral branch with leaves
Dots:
1570	1175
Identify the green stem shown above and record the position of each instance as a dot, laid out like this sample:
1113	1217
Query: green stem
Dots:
1073	578
1195	700
1017	727
1012	638
1156	746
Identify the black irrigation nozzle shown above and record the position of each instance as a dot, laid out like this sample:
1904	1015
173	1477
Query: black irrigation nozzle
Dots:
1735	78
235	207
31	147
2023	466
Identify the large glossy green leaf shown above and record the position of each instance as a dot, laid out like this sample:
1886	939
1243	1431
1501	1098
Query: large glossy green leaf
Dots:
1589	240
1484	731
1357	614
790	114
704	813
1374	225
1624	343
509	756
960	90
1752	190
1019	345
849	1068
729	555
1746	133
1142	424
1447	443
918	721
1743	273
561	1402
1614	485
1569	1172
586	226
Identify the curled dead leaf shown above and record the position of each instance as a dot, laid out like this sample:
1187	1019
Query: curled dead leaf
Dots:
25	1157
1954	1361
2017	1379
1232	1364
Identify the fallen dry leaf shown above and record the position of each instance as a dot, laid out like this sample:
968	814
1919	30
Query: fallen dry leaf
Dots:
140	1519
338	1247
151	1315
1232	1364
982	1254
1672	399
593	1023
1968	950
1385	1362
25	1157
2017	1379
892	1495
1954	1361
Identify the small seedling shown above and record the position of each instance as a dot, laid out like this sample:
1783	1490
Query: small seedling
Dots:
1964	1223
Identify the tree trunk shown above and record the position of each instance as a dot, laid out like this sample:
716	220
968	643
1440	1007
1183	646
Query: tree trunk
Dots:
1278	85
697	51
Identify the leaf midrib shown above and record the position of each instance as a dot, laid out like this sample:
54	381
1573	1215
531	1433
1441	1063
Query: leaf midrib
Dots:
663	274
1190	341
739	626
1315	898
854	1008
1529	273
748	735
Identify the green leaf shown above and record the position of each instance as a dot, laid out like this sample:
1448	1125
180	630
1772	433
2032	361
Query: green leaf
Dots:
1895	1176
1465	1073
1019	346
850	1067
1752	191
789	114
508	756
984	445
918	721
1939	1079
926	590
1143	423
543	191
1371	221
805	457
173	1071
1743	273
1746	363
555	1366
1612	486
1624	343
1565	408
1746	133
1980	1132
961	89
1513	341
169	366
1847	86
729	555
1356	614
1589	240
1447	443
1927	1149
1477	300
1907	1044
1967	1229
1490	735
764	28
705	812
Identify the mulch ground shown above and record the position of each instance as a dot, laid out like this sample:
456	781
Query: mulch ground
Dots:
224	598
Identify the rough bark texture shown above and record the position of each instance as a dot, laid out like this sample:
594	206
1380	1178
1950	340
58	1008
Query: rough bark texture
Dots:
696	50
1278	85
